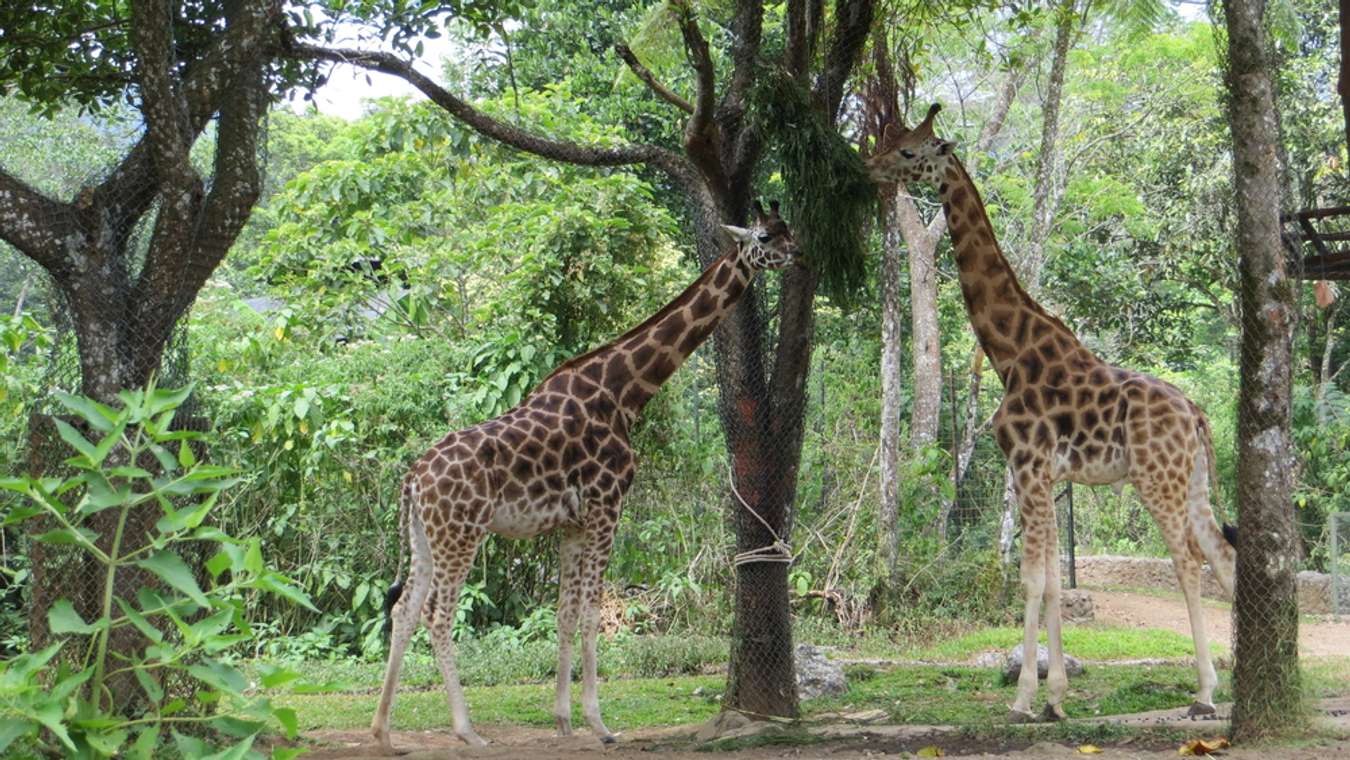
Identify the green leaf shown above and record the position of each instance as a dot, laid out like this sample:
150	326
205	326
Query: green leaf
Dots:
286	717
144	746
75	440
171	568
62	618
148	683
166	461
49	715
138	620
177	520
13	727
272	676
185	455
288	753
219	676
164	399
106	742
99	416
277	584
218	564
64	536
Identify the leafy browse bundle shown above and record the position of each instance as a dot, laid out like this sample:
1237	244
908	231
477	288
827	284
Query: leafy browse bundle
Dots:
830	199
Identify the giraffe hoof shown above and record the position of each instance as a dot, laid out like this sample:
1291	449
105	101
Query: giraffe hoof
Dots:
471	738
1020	716
1052	714
609	739
564	726
1200	710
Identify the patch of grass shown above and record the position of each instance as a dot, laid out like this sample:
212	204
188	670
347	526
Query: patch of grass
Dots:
975	697
500	661
1326	676
629	703
1090	642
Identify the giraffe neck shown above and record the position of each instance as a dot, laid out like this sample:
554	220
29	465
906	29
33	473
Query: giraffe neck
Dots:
632	367
1005	318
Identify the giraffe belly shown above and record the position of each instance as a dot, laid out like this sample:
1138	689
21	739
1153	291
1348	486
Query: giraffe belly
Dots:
527	518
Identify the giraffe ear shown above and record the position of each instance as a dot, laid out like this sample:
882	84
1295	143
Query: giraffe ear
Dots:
738	234
759	209
945	147
773	208
890	135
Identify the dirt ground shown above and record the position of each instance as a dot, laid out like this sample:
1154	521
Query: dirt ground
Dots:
836	742
850	742
1324	637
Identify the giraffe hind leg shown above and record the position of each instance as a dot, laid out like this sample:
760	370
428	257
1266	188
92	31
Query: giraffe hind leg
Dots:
403	619
452	568
600	540
569	610
1167	503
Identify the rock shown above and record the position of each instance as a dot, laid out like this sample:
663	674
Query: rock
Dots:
1012	665
866	716
817	676
720	725
1076	605
990	659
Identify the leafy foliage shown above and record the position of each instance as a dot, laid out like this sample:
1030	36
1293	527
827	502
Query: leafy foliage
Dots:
182	628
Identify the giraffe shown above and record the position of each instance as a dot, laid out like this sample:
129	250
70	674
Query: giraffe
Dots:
560	460
1068	415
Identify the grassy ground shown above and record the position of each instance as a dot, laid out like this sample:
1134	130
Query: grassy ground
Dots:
1089	642
921	695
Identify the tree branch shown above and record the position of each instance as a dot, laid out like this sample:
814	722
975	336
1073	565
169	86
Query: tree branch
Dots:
853	19
557	150
648	78
702	135
34	223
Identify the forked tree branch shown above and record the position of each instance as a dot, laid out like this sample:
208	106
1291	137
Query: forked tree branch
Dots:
34	223
645	74
558	150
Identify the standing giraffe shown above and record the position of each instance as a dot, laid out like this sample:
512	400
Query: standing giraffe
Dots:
560	460
1068	415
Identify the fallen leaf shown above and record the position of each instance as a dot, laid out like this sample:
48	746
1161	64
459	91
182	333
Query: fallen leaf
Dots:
931	750
1196	747
1089	749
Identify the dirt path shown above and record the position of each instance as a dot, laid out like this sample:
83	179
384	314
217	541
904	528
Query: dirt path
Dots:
836	742
1169	612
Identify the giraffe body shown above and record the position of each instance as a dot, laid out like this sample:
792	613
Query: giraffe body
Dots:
559	461
1068	415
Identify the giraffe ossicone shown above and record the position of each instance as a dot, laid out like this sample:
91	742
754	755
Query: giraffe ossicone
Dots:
1068	415
559	461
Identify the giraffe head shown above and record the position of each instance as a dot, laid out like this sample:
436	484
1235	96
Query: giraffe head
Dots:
911	155
767	243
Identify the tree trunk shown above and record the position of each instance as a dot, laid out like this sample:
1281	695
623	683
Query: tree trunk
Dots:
1266	689
1049	187
891	383
1343	84
970	432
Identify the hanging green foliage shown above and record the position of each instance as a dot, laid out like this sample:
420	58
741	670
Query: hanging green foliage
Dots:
830	199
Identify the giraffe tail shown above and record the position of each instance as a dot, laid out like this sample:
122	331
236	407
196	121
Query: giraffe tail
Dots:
391	596
1209	541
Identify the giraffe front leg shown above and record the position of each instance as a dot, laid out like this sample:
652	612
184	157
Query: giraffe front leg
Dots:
1057	680
594	563
406	613
570	602
1037	511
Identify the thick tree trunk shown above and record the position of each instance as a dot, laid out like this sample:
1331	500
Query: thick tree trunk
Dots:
891	383
1049	187
1266	689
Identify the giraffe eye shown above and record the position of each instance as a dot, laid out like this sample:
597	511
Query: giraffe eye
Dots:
907	153
763	237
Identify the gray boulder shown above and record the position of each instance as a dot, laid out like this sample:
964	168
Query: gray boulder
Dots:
1012	664
817	676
